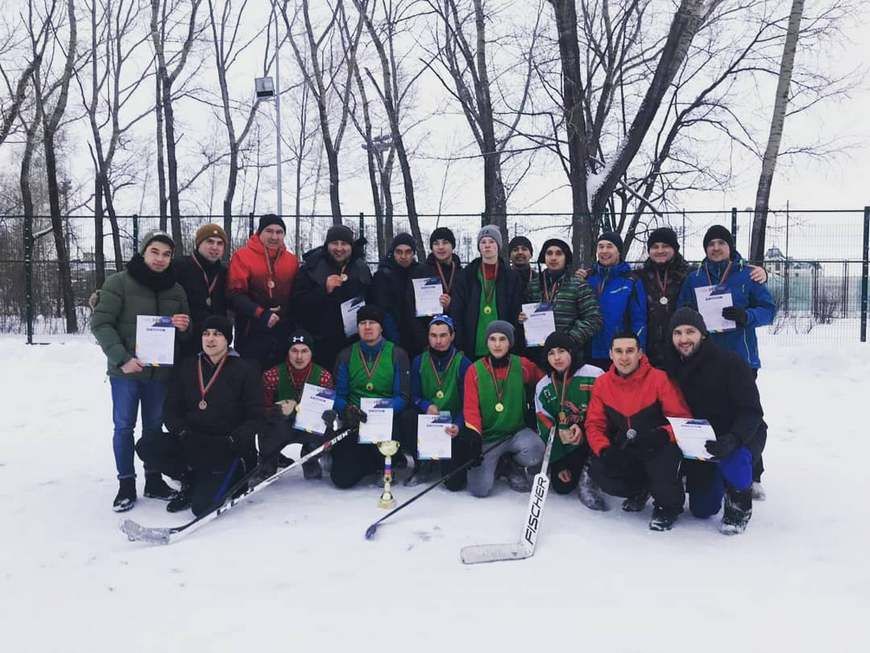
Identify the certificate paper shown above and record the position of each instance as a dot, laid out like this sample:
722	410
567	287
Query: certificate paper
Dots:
691	435
539	323
379	425
433	443
711	301
427	294
155	340
349	309
309	414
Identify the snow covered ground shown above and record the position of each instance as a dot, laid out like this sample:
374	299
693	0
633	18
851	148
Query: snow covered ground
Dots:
291	568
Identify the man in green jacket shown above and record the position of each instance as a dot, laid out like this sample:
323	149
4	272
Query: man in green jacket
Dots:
146	287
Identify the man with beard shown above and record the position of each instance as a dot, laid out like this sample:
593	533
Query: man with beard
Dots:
719	387
146	287
213	411
331	275
520	251
259	284
203	277
444	262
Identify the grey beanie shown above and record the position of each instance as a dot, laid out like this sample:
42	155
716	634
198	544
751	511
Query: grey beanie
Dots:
493	232
500	326
160	237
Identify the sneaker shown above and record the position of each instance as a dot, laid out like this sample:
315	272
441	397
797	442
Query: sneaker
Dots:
156	488
663	518
182	498
589	493
758	493
636	503
126	497
311	470
738	511
425	471
519	479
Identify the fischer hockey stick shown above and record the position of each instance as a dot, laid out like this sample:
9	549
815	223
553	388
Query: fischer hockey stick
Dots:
525	548
166	535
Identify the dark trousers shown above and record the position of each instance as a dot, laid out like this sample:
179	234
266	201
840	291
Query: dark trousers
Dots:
573	462
278	433
660	475
706	482
758	461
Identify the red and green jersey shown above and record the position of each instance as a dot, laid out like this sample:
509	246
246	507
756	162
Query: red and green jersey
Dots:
549	404
487	387
282	382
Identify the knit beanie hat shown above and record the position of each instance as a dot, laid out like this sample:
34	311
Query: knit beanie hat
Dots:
720	232
268	220
500	326
339	232
160	237
687	315
370	312
612	237
664	235
442	233
403	239
520	241
561	244
490	231
564	341
219	323
301	337
444	319
207	231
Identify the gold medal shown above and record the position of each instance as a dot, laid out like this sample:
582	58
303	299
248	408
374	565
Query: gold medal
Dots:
343	278
562	417
487	310
663	301
202	405
499	407
270	283
439	394
370	386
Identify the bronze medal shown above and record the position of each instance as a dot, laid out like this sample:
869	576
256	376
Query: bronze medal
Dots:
203	389
499	407
203	404
270	283
562	417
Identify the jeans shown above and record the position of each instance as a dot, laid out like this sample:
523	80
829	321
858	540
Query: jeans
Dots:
706	481
127	394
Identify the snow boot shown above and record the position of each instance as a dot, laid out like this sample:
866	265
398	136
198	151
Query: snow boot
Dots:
636	503
663	518
738	511
156	487
126	497
589	493
758	492
311	471
182	498
424	473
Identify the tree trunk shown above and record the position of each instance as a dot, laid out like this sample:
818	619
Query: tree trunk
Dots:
99	250
161	165
63	256
774	139
172	169
27	207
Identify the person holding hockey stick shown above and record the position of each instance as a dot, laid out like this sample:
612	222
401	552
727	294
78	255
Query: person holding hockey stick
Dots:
561	399
282	391
377	368
214	408
635	451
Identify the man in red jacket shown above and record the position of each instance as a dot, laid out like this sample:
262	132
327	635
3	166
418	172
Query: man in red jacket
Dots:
259	283
635	451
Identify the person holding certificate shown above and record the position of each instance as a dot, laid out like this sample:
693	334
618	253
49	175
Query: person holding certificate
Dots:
445	263
330	276
213	409
282	392
572	300
373	368
718	386
146	287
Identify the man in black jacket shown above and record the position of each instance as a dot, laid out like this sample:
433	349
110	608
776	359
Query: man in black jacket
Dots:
213	411
329	277
203	277
718	386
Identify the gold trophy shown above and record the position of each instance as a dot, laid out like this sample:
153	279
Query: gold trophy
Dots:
388	449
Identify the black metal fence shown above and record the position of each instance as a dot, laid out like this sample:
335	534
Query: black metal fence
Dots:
817	260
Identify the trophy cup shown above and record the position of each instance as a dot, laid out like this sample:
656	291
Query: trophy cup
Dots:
388	449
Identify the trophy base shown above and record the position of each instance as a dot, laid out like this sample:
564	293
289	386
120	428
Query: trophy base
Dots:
387	502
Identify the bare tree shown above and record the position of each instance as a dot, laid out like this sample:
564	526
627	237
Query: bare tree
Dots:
17	92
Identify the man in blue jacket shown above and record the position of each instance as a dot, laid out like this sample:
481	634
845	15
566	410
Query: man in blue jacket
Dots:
621	296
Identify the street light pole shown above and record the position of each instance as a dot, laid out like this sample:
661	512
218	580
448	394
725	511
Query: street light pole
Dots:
280	203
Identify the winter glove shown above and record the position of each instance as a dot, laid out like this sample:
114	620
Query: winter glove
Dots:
616	460
736	314
723	446
353	416
648	443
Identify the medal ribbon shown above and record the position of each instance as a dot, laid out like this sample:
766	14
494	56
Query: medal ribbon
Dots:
561	392
438	377
270	284
551	291
203	390
663	285
370	371
724	274
499	389
488	285
209	286
446	285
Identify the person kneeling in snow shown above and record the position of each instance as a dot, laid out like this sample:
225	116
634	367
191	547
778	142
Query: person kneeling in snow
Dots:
719	386
635	451
213	411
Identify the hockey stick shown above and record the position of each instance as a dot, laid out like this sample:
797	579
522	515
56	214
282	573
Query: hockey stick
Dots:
370	531
525	548
136	532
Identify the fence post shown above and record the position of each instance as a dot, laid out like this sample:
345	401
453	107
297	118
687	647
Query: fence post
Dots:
362	229
28	278
250	224
483	219
734	226
135	232
864	271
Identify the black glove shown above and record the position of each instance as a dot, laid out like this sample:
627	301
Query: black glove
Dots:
723	446
615	459
329	417
646	444
737	314
353	416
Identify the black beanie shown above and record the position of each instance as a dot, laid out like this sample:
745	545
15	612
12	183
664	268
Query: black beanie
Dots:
370	312
522	241
403	239
612	237
301	337
564	341
219	323
339	232
442	233
561	244
687	315
664	235
268	220
720	232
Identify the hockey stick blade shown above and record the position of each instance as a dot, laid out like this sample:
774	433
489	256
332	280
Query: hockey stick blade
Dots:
477	553
137	533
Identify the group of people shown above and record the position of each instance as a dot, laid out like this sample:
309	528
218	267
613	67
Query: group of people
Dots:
628	351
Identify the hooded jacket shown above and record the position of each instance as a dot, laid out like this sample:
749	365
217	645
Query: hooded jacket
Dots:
622	300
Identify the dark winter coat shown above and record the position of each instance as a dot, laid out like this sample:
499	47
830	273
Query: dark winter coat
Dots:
393	292
526	276
719	386
653	276
432	262
623	305
136	291
575	309
195	274
319	312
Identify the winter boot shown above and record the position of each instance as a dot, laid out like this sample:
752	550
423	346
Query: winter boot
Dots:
663	518
589	493
156	487
283	461
636	503
126	497
738	510
311	470
519	478
758	492
182	498
424	473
